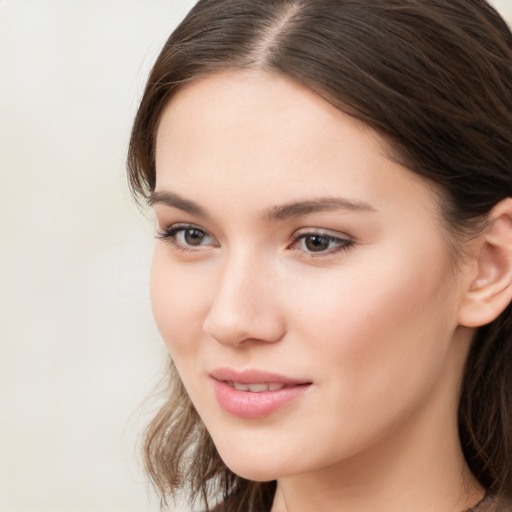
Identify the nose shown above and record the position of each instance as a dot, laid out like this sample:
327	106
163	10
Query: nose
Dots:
245	306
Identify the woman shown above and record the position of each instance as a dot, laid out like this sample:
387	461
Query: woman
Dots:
332	185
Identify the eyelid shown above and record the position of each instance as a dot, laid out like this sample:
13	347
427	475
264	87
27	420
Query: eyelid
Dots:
322	231
180	225
327	233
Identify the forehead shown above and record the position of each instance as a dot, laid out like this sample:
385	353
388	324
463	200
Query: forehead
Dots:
268	139
267	116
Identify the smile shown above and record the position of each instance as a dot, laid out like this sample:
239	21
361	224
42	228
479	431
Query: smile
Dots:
255	394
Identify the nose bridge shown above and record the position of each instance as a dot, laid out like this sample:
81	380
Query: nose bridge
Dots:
244	306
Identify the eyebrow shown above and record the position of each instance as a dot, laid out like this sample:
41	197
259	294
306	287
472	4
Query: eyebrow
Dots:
275	213
318	205
176	201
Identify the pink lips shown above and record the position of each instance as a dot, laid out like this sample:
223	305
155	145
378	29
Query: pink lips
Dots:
259	393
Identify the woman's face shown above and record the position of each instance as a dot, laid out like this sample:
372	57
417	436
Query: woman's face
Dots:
300	265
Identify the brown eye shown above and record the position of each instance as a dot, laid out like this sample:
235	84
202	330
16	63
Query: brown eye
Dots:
321	244
185	237
194	236
316	243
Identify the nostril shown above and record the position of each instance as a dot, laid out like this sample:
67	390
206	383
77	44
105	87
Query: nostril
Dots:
239	329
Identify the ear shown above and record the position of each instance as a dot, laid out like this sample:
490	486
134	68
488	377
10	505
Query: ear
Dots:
490	289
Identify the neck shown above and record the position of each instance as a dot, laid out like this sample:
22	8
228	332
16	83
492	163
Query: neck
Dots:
416	465
402	481
391	481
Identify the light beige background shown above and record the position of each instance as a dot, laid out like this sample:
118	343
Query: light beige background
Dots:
78	349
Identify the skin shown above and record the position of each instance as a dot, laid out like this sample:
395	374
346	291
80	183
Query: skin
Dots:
372	320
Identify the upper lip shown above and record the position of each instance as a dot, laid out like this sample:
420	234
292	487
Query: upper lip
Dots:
253	376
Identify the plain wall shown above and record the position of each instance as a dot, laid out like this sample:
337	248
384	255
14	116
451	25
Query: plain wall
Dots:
78	349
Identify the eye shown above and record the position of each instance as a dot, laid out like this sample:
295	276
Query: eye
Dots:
186	237
318	243
191	236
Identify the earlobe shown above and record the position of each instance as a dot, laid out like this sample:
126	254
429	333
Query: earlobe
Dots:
490	291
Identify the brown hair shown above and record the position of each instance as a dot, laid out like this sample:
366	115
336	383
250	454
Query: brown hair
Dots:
434	77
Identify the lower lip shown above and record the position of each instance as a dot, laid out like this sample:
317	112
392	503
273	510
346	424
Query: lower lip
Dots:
247	404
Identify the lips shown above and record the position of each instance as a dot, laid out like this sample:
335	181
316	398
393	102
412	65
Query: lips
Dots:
254	393
254	377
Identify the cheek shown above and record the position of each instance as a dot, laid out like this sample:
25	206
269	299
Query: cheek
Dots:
179	299
378	325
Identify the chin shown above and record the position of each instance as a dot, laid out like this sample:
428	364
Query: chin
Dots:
259	466
253	472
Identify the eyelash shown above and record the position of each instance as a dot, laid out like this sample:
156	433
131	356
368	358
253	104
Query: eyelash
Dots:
169	234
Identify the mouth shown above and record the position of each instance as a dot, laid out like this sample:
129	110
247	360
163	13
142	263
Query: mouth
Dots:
254	393
258	380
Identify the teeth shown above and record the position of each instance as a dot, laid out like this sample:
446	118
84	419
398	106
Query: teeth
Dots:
240	387
256	388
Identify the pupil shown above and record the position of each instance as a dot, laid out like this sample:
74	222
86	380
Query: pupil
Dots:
194	236
316	243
